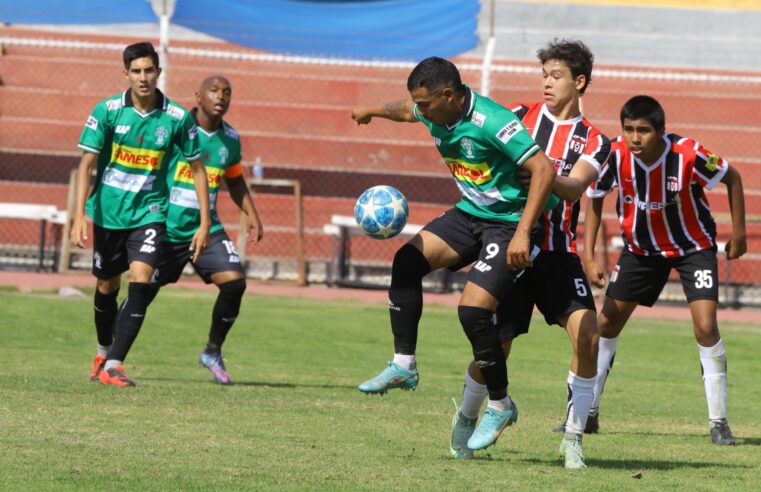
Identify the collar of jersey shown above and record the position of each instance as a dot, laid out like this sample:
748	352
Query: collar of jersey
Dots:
547	113
193	113
659	160
161	102
467	108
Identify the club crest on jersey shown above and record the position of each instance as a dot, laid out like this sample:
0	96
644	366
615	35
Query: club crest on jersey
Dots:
223	154
478	119
672	183
712	164
467	147
160	134
92	123
577	143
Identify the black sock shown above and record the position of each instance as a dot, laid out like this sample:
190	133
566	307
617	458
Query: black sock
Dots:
105	309
405	297
225	312
489	355
130	319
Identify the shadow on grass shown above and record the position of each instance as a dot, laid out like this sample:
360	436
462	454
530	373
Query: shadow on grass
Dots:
749	441
237	382
636	464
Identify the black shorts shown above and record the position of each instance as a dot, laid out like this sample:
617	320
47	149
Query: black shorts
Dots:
557	285
219	256
641	278
484	242
115	249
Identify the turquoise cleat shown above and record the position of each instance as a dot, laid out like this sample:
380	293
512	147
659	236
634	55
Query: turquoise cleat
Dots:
572	451
391	377
492	424
462	429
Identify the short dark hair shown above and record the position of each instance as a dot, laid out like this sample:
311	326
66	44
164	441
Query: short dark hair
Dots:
139	50
573	53
644	108
434	73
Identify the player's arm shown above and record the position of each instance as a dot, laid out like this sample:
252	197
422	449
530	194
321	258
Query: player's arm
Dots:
79	225
573	186
592	220
241	195
542	176
401	111
737	245
201	237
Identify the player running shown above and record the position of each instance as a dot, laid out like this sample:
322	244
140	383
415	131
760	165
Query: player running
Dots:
129	138
483	144
556	283
666	224
219	263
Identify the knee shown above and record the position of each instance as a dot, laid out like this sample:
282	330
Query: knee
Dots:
478	324
233	288
409	267
706	332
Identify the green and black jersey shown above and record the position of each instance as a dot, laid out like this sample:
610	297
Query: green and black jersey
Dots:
483	149
221	155
134	152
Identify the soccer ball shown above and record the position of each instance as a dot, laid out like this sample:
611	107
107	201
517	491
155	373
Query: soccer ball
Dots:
381	212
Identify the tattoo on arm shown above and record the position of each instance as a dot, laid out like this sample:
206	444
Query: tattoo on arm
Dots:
395	110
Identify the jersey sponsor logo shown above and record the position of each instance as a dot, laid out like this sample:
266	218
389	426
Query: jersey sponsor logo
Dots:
160	134
175	112
122	129
114	104
712	164
472	173
187	198
92	123
478	119
184	174
509	131
230	132
614	274
562	167
482	267
147	248
483	198
129	182
132	157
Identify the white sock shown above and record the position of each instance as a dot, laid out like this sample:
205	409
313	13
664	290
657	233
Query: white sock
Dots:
580	395
405	361
111	363
713	361
473	396
103	350
605	355
500	405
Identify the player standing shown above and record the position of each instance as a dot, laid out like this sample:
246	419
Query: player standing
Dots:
666	224
483	144
129	138
556	283
219	263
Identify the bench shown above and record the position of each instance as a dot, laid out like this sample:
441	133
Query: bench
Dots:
38	212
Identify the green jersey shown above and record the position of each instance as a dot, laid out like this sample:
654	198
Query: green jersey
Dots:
221	156
483	149
134	150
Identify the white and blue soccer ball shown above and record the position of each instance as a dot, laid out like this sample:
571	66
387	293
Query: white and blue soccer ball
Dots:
381	212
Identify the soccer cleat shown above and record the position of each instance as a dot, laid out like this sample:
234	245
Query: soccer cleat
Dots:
462	429
573	453
592	426
115	376
721	434
391	377
216	365
97	367
492	424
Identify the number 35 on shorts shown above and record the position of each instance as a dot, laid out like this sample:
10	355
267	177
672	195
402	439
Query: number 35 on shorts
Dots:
703	279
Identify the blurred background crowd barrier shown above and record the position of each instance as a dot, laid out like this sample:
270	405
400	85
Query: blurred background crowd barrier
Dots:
308	161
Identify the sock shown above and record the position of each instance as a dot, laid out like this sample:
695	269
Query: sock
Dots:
102	350
106	310
405	297
473	396
478	324
580	395
111	363
405	361
129	320
605	358
225	312
713	364
500	405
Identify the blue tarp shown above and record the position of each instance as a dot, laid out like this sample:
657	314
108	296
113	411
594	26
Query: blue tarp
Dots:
363	29
76	11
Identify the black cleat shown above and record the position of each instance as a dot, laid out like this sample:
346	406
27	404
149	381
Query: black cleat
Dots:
721	434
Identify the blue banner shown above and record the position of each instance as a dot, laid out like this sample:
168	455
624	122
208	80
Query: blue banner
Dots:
76	11
360	29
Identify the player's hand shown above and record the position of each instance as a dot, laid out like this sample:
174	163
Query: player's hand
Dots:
255	231
361	115
736	247
519	252
523	176
595	273
199	242
78	233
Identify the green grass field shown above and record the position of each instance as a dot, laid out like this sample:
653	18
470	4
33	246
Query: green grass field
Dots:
294	419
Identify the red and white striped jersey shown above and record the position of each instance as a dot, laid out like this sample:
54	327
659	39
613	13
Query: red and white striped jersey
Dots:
662	208
565	142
